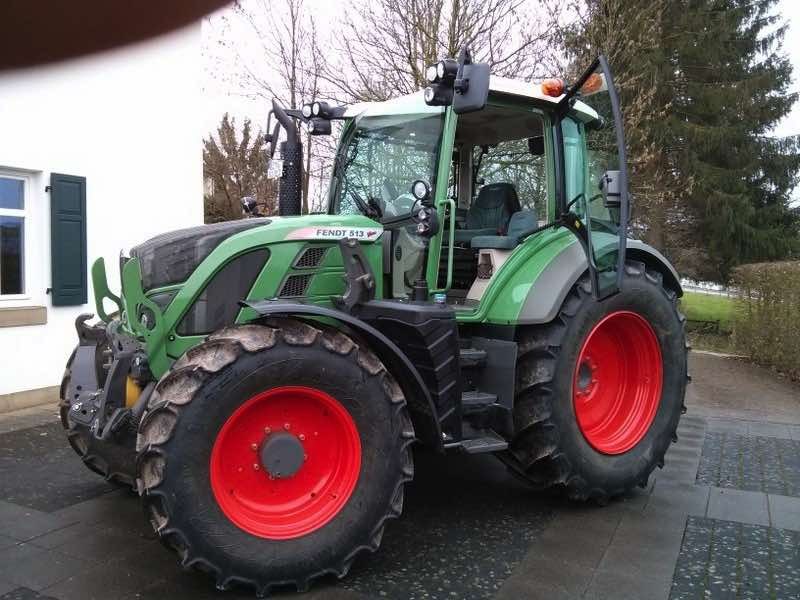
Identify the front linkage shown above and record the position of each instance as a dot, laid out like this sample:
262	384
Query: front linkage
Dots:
103	395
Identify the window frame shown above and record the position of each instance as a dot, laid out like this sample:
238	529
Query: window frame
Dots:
25	214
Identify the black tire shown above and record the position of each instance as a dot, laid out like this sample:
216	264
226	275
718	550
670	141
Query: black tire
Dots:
549	448
195	398
90	450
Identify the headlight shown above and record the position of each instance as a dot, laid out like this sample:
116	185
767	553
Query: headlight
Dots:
432	73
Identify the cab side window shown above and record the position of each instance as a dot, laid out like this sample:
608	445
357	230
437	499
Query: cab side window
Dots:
520	162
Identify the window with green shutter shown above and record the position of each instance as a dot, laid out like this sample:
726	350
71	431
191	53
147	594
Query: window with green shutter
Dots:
68	239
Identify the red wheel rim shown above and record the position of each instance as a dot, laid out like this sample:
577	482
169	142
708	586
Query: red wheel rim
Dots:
617	383
251	490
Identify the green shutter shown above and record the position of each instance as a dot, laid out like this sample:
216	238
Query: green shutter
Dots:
68	239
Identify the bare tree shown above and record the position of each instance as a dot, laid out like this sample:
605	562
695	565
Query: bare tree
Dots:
279	57
385	46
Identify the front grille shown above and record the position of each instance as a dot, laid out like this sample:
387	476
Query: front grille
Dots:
295	285
311	257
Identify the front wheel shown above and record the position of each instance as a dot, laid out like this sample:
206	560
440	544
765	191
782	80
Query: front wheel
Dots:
271	455
600	390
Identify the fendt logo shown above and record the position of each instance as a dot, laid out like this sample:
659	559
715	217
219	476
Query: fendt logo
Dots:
335	233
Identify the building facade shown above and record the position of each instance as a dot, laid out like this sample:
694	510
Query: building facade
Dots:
96	155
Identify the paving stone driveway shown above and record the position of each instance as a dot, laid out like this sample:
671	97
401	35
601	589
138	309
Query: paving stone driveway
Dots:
721	520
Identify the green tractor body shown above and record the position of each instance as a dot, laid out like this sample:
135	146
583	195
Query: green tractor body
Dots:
473	286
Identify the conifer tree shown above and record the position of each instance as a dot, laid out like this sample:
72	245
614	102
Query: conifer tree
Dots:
703	83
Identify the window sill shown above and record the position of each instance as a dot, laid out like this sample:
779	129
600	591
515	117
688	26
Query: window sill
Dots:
22	316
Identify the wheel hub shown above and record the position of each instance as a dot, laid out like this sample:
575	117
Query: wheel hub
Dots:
281	454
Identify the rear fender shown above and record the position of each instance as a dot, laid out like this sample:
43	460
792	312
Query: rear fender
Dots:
420	404
547	294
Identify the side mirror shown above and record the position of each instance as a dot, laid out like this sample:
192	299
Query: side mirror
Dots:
610	186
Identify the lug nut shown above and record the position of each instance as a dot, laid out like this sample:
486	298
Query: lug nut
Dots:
286	426
302	436
267	430
256	466
253	447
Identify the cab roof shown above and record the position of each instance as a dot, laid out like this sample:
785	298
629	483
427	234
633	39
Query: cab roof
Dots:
498	86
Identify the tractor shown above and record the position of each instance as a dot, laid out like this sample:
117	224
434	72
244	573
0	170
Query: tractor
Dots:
473	287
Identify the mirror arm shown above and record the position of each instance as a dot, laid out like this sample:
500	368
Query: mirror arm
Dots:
569	98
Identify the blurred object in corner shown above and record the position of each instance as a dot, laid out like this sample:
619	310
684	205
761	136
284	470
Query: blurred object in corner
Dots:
35	33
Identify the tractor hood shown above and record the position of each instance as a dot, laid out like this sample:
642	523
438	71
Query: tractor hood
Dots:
170	258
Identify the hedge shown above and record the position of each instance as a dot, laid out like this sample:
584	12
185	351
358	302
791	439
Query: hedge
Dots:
766	324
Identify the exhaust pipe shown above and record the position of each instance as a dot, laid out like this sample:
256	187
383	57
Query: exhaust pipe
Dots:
290	188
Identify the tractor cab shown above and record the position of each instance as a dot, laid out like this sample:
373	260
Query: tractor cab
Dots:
458	193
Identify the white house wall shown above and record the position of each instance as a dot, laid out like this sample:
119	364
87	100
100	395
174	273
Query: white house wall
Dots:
129	122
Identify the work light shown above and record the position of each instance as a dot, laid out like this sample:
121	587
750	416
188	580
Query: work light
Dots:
307	111
321	110
446	69
319	126
438	94
420	189
431	74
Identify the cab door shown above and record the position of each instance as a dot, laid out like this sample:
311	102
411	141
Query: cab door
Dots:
594	179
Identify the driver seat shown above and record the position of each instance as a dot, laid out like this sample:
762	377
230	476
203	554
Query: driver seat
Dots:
491	211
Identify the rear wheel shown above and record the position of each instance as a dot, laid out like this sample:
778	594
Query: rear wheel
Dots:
600	389
271	455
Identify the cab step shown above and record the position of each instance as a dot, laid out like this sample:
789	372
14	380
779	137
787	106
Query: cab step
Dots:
476	401
485	440
472	358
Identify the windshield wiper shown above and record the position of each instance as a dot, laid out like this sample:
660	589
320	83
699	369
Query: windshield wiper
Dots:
367	208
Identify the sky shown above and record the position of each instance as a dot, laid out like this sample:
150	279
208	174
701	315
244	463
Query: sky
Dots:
221	94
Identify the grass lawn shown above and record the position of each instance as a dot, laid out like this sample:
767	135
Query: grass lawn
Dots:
709	307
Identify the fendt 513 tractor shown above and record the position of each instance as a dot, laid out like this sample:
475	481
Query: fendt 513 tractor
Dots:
471	287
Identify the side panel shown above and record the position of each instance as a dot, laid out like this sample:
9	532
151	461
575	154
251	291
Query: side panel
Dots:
510	286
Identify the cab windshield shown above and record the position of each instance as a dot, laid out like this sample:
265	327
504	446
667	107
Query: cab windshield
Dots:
383	156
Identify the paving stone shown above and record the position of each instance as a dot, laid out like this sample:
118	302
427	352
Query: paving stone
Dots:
29	417
42	455
727	425
784	512
763	464
794	432
723	559
738	505
776	430
681	497
33	567
120	508
23	523
546	577
108	580
5	587
646	546
7	542
612	585
582	545
23	593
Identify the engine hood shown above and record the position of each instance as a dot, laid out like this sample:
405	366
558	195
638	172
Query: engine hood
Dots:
170	258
